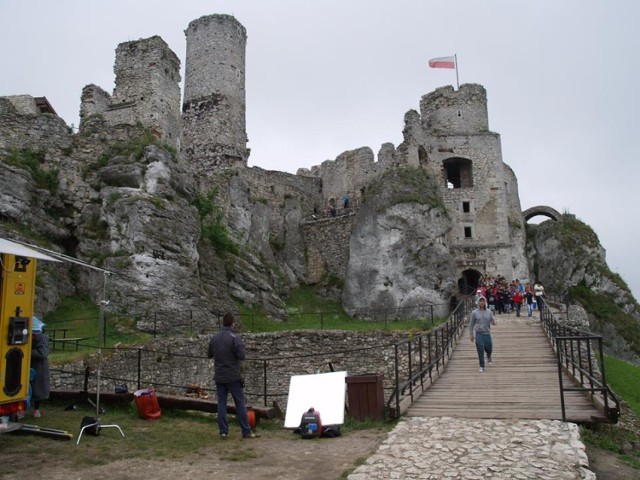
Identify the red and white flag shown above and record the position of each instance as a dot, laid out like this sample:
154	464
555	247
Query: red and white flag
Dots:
443	62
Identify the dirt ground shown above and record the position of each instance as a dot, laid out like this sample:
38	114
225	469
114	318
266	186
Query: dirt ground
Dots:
607	465
271	458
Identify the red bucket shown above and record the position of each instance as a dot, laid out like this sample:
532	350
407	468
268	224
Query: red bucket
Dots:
147	403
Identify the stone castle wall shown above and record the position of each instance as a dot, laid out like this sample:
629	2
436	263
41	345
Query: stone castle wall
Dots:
285	354
327	247
25	127
147	90
452	126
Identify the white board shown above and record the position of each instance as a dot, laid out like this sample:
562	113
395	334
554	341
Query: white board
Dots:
325	392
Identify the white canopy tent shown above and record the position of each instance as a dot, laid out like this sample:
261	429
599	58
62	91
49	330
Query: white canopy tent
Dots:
13	248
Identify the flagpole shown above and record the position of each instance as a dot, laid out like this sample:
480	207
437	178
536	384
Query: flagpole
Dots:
455	59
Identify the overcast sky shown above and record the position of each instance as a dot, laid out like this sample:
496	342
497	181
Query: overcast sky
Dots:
333	75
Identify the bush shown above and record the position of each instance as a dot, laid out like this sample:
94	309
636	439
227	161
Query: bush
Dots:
32	161
211	223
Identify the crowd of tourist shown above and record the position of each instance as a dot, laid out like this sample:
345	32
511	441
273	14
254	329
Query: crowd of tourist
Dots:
505	296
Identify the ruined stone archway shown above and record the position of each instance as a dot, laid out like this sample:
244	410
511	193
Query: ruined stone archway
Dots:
543	210
469	281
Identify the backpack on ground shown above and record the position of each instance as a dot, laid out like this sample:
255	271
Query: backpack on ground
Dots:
310	424
93	429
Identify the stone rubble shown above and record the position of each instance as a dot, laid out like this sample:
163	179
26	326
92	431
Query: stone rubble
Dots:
442	448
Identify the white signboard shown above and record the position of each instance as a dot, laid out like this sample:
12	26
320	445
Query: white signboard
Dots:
325	392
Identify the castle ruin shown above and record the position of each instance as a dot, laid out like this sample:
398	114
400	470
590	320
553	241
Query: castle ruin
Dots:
281	215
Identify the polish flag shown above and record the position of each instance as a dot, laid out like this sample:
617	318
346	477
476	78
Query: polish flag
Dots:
443	62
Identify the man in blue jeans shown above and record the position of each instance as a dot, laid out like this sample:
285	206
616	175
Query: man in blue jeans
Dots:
227	350
480	331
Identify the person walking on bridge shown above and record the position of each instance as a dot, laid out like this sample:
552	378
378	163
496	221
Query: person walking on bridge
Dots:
480	331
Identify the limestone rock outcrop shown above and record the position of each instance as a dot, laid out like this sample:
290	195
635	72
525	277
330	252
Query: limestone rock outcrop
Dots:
568	259
398	257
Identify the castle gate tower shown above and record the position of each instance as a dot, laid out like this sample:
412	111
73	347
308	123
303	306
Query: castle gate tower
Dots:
479	190
214	105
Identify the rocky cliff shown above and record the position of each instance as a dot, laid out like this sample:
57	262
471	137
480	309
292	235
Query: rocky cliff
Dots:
185	248
398	253
569	260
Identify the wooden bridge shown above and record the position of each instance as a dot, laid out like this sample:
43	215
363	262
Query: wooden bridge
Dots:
522	382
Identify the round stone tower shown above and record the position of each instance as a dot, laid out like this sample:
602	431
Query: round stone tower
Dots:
214	105
462	111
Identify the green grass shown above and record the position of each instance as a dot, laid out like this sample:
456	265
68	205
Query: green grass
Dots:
606	311
624	379
81	316
32	161
211	223
176	435
307	311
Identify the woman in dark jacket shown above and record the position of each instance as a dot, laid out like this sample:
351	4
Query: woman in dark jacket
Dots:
40	364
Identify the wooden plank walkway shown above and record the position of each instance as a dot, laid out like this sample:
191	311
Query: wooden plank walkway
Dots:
522	383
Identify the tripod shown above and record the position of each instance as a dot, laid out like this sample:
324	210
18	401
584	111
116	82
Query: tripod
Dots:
97	426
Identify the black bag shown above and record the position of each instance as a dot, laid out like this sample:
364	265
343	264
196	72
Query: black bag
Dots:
331	432
121	388
94	430
311	424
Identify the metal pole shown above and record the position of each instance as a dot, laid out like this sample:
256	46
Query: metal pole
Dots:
564	416
397	367
604	379
410	370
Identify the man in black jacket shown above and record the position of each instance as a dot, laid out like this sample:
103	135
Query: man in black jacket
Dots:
227	350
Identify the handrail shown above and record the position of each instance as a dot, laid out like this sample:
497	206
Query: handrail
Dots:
576	357
440	343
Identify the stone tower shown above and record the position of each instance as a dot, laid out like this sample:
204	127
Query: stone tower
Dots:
147	90
214	105
480	191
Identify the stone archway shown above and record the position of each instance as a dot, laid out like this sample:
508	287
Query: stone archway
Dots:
469	281
543	210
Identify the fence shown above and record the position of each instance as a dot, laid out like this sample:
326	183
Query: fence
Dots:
176	365
432	352
62	332
576	356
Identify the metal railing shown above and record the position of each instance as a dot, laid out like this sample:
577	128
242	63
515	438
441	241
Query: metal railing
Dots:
575	352
425	353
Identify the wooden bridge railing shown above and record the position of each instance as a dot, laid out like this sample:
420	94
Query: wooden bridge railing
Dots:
576	350
424	358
